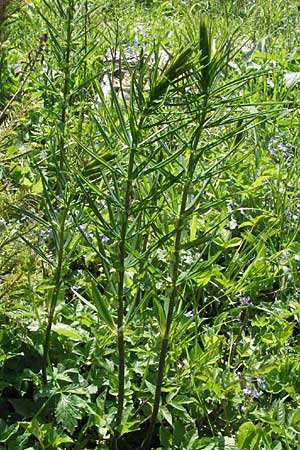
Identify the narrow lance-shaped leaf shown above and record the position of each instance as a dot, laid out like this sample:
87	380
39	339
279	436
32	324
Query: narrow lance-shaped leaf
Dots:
101	306
205	41
178	66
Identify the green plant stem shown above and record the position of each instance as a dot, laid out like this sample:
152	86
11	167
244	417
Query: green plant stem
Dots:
121	271
192	163
173	296
65	103
120	294
54	299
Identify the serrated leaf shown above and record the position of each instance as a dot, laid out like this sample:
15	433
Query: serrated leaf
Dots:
281	413
219	443
67	412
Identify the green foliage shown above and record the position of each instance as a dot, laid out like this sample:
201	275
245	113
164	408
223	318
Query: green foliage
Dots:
149	218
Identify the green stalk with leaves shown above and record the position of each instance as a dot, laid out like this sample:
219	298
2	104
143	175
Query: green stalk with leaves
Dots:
205	43
130	124
210	104
71	56
177	68
120	293
59	235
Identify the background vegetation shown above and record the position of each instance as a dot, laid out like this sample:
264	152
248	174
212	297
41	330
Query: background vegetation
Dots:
149	216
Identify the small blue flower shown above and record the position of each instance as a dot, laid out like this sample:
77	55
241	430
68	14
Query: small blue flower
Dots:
190	314
261	383
245	300
247	391
76	287
251	392
255	393
26	217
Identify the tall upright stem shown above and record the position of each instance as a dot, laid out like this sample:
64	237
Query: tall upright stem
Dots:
120	293
65	101
173	296
122	255
192	163
54	298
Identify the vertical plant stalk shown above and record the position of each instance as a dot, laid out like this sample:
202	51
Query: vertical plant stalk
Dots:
205	46
120	331
66	83
54	297
174	71
85	46
120	294
173	296
66	58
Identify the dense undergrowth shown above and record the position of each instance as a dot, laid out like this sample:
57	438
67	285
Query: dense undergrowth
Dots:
150	245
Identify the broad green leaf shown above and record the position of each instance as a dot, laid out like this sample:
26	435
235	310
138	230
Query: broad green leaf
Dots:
296	417
38	187
165	436
160	313
128	427
61	438
66	330
247	437
24	407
